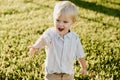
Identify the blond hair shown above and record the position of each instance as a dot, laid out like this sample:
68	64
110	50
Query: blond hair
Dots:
65	8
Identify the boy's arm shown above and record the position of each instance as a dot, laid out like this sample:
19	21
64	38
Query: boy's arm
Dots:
83	66
31	50
38	45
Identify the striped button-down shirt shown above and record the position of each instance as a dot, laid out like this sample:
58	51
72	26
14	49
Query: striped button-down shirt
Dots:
60	52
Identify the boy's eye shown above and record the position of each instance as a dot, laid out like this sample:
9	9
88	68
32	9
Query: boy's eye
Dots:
65	21
57	20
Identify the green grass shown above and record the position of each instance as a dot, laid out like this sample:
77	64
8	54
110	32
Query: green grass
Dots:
23	21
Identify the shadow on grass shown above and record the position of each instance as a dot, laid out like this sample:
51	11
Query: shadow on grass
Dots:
98	21
95	7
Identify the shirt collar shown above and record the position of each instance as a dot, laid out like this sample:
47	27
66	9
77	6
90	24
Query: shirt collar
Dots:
68	35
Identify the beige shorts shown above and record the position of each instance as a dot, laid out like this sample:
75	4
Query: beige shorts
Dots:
59	76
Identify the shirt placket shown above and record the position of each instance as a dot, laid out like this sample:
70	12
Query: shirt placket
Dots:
62	54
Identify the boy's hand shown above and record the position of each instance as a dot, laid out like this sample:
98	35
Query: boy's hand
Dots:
84	72
31	50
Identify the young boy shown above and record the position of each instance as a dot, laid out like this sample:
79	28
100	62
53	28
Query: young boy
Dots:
62	45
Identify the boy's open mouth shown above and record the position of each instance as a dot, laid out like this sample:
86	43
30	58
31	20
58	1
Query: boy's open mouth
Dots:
60	29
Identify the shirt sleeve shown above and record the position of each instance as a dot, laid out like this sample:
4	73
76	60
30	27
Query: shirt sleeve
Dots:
43	40
47	36
79	50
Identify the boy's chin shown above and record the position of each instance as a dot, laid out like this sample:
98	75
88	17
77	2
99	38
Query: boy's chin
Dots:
60	33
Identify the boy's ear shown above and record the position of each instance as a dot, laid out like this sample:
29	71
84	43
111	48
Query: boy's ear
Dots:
74	21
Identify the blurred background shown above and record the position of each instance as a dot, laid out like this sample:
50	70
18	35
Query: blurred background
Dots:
23	21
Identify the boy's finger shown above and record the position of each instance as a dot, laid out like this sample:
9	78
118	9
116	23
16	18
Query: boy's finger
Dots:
29	46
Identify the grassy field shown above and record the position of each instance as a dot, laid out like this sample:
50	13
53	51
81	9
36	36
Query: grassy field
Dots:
23	21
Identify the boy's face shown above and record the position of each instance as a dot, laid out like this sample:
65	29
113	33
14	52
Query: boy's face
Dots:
63	24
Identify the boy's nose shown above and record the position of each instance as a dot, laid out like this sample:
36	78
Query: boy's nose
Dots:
61	24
